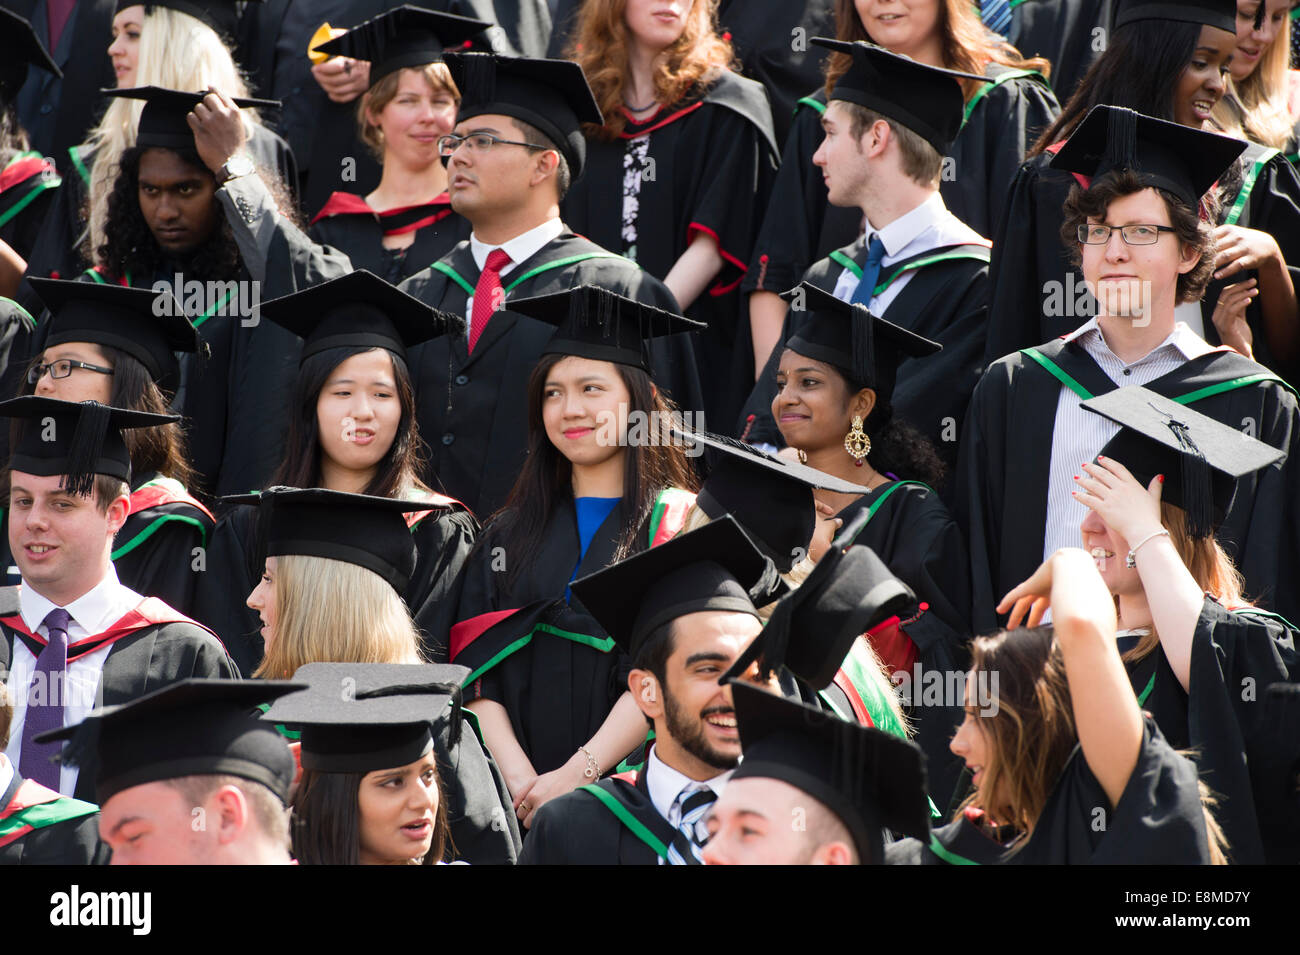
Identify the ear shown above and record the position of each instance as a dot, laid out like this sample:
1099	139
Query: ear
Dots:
228	814
1189	259
877	139
863	402
118	512
833	853
645	690
544	165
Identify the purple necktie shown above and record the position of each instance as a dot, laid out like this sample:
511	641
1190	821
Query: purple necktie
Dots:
59	11
45	698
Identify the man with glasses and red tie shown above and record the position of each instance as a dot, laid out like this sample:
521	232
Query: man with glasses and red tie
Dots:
516	147
1135	226
74	638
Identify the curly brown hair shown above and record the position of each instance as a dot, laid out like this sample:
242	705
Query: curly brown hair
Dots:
1191	227
967	44
600	47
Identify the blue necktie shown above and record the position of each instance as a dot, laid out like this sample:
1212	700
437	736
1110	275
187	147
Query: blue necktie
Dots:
685	847
996	15
866	289
46	702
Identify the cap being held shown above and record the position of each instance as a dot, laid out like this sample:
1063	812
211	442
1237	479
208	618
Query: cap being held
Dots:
164	120
404	36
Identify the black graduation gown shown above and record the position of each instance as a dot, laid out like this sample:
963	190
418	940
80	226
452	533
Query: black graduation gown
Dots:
1235	655
480	812
918	540
1158	821
352	227
545	659
1002	476
611	822
946	300
57	248
152	647
1037	295
63	832
443	538
154	552
1066	32
472	409
714	158
28	184
800	226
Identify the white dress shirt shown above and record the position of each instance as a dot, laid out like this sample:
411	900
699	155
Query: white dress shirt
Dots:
92	613
6	774
666	784
929	226
523	246
1079	435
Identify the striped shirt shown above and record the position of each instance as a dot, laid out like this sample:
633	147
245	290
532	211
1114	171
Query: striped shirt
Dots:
1079	435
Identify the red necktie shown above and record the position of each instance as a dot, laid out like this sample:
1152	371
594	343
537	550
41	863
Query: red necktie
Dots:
58	12
487	294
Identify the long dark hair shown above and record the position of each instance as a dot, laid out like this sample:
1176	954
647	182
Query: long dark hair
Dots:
398	469
159	450
896	446
1140	70
132	249
327	820
649	468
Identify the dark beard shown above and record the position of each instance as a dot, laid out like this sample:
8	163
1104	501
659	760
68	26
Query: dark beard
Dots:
689	734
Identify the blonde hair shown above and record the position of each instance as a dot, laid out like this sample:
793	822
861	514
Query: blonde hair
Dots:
382	93
330	611
696	518
1209	565
178	52
1258	107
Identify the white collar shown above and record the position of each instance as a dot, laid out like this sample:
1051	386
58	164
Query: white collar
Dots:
907	228
1187	342
521	247
94	611
6	774
665	783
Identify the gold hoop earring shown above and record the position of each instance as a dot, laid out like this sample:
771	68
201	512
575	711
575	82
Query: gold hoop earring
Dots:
856	441
803	455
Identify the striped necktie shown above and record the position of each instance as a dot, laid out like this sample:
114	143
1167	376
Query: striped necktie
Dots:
685	847
996	15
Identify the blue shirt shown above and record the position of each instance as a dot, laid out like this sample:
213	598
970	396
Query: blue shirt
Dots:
592	512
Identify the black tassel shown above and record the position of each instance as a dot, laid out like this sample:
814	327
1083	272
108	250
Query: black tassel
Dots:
862	341
480	78
775	639
1259	15
1121	138
1198	497
85	448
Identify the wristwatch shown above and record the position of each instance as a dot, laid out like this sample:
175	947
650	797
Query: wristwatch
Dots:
240	164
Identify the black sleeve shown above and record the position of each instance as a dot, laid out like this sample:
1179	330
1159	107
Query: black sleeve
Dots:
443	543
1015	115
225	584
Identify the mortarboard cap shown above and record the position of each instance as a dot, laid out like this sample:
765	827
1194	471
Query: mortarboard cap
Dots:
593	322
1170	156
358	310
928	100
868	778
716	567
360	529
812	628
221	15
19	49
75	439
868	348
1200	457
552	95
1211	13
163	120
361	717
771	497
148	325
401	37
196	727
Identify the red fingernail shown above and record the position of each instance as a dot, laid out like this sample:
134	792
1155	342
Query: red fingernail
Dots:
1160	478
1076	477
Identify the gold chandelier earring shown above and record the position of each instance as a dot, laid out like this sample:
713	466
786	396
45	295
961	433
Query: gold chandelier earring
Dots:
856	441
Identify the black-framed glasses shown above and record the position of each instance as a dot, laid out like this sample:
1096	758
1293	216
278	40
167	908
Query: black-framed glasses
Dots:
1090	234
62	368
478	143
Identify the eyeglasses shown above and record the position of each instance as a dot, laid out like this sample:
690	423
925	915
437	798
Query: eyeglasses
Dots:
62	369
478	143
1132	234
